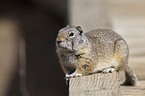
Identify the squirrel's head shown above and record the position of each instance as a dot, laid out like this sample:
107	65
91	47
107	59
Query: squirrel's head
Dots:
71	38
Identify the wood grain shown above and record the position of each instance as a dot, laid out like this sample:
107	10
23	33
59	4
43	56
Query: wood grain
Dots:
138	90
98	84
103	85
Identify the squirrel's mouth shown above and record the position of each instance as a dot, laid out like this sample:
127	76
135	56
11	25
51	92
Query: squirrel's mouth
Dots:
64	46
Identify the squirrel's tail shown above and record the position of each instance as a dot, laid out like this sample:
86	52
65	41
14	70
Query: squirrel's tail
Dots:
130	77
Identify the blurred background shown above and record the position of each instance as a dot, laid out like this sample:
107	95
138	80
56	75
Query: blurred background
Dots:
28	28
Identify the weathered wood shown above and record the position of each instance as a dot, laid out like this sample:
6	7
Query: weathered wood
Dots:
134	90
98	84
89	14
103	85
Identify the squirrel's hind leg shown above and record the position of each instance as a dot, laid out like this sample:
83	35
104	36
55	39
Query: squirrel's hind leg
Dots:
121	55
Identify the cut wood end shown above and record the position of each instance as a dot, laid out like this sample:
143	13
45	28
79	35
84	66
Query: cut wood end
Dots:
99	83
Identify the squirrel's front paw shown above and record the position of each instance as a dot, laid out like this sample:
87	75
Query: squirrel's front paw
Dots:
73	75
108	70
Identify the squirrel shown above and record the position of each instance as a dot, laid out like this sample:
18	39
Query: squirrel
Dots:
82	53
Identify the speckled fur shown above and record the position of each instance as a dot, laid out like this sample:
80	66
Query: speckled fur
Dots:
92	51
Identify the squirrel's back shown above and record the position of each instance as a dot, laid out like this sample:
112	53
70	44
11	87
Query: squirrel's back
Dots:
103	43
106	35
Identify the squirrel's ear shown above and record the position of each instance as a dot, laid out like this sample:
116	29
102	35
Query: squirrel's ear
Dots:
79	29
67	26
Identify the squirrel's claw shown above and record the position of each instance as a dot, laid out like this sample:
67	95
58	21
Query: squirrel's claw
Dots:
73	75
108	70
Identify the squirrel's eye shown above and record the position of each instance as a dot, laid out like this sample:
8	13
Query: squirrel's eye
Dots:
71	34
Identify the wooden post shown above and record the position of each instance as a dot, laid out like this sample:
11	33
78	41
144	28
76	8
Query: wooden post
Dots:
98	84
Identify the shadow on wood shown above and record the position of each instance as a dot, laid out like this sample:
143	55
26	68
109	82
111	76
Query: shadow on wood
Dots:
138	90
98	84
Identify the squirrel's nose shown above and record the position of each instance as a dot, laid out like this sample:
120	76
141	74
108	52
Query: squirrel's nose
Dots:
59	39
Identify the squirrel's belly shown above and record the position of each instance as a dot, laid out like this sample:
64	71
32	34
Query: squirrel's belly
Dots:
70	62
